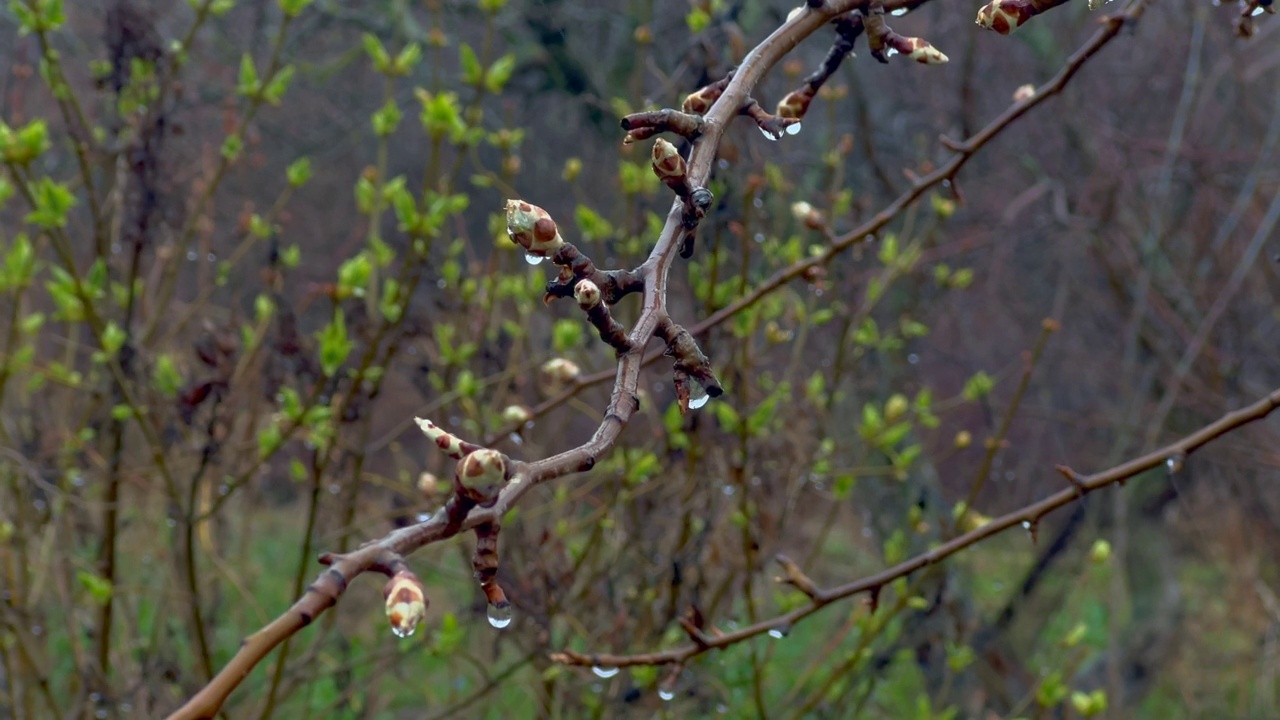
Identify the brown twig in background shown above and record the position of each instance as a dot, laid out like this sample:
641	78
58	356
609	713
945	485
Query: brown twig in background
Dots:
1026	516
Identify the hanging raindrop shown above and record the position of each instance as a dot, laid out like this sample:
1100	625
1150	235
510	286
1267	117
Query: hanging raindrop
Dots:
698	397
666	695
769	135
604	672
899	12
777	633
793	129
533	259
1174	463
403	632
500	615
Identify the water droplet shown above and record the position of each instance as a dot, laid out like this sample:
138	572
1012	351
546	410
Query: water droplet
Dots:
442	283
1174	463
723	164
604	672
403	632
422	517
793	129
500	615
1026	525
1257	11
769	135
890	52
533	259
759	237
913	358
757	203
666	695
899	12
698	397
515	439
728	490
191	256
212	257
777	633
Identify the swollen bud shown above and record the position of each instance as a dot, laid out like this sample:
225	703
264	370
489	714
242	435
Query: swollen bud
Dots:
482	471
406	603
532	228
587	293
921	51
796	103
516	414
667	163
1005	16
561	370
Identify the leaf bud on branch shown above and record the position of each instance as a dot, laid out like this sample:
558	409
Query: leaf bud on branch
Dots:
611	331
451	445
406	602
885	42
1005	16
532	228
480	475
701	100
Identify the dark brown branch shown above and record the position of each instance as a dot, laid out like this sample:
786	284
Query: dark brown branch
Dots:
690	363
773	126
576	267
1027	517
642	125
796	103
611	331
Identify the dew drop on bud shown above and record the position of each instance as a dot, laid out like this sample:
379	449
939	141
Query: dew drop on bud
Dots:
698	397
666	695
500	615
793	129
768	134
604	672
533	259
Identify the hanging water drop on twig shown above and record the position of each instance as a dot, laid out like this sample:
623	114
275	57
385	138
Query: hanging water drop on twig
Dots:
604	672
500	615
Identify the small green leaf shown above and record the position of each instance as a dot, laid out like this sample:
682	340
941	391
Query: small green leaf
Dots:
299	172
99	587
249	83
472	73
